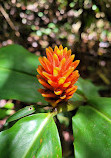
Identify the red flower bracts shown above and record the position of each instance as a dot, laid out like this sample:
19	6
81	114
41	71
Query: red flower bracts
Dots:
57	74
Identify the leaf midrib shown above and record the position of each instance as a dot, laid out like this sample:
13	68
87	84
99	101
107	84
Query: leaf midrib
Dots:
17	71
44	123
101	114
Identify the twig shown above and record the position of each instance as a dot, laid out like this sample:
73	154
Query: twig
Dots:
103	77
9	20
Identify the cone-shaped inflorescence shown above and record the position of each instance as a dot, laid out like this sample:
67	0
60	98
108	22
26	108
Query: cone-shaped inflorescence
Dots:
57	74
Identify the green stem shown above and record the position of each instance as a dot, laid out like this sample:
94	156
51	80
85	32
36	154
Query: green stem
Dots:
67	107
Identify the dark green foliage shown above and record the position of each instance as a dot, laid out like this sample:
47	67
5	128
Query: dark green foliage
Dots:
18	75
92	129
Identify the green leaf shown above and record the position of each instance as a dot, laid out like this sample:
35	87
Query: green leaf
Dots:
32	136
18	75
21	113
87	88
92	129
77	97
102	104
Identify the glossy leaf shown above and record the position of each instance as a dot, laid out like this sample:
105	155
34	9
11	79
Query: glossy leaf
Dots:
21	113
18	75
92	129
32	136
87	88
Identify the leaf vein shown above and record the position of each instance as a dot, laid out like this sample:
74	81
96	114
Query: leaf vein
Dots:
101	114
17	71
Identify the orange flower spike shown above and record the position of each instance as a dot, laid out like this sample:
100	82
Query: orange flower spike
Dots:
65	52
69	52
69	61
49	54
55	60
60	47
57	74
66	84
62	64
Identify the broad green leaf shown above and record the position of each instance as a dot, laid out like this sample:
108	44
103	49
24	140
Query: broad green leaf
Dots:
77	97
21	113
32	136
18	75
102	104
87	88
15	57
92	129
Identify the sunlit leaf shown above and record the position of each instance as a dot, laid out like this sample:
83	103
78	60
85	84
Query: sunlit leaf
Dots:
32	136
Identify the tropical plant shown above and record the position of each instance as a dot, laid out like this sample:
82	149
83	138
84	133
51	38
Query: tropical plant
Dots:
32	132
